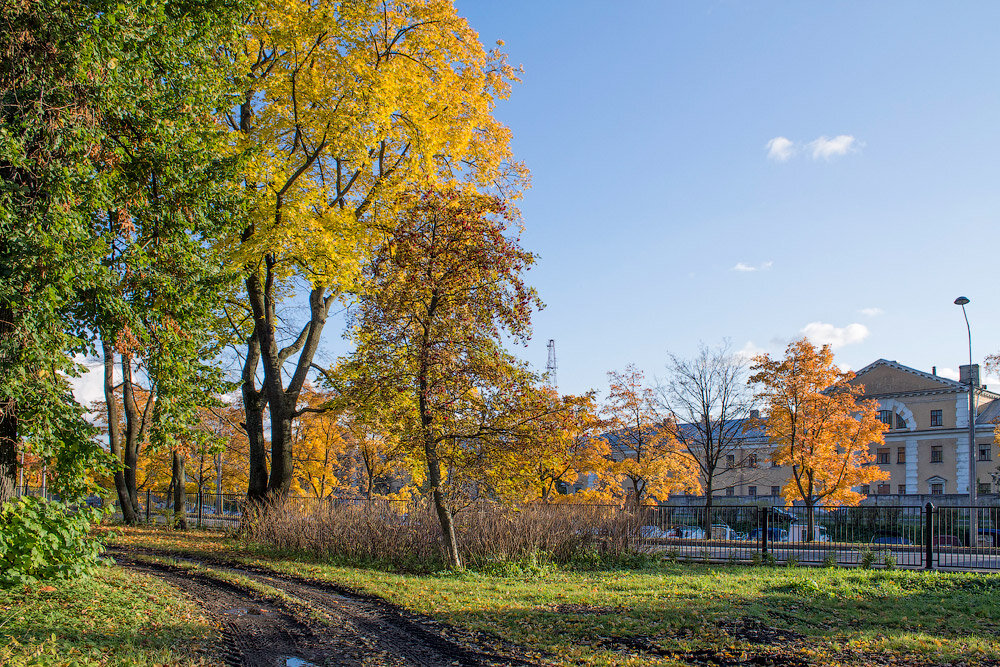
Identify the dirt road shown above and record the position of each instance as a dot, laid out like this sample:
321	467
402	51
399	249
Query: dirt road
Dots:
279	621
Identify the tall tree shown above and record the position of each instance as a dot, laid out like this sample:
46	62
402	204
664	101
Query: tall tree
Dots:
50	90
647	455
170	200
819	426
708	404
445	287
348	104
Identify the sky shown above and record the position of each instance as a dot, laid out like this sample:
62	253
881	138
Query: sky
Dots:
755	172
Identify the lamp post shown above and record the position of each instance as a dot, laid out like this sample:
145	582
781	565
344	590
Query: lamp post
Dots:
961	301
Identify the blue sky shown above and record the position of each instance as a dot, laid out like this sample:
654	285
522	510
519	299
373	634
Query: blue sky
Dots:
662	219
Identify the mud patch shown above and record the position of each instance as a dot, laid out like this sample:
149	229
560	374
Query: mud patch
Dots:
330	627
753	630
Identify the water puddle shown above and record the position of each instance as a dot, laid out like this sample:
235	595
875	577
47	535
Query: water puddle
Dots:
292	661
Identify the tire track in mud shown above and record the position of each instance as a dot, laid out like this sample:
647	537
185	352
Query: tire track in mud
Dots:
353	630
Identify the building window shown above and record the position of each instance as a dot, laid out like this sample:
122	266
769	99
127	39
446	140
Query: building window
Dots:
730	491
936	418
937	489
900	422
865	489
752	491
984	452
885	416
730	460
901	489
984	487
883	490
751	461
775	464
937	454
883	456
775	490
901	455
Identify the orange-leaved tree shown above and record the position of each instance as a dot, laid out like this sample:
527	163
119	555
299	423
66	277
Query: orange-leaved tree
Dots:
648	459
820	426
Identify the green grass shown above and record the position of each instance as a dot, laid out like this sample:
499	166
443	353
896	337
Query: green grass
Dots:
841	616
116	618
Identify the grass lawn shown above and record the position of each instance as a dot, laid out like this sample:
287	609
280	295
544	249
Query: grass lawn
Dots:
116	618
668	613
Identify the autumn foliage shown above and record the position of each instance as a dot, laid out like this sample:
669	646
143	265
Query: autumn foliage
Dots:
819	425
647	458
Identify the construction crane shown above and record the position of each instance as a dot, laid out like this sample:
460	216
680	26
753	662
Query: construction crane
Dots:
550	368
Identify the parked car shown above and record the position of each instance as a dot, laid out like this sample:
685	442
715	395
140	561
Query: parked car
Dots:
946	541
799	532
651	532
881	540
687	532
781	514
988	537
773	534
721	531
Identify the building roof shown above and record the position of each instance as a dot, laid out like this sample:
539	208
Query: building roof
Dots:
947	385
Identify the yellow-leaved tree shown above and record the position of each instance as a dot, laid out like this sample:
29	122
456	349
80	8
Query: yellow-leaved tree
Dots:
648	460
819	425
346	105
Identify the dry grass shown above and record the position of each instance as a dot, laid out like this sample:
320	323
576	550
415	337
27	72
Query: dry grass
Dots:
408	536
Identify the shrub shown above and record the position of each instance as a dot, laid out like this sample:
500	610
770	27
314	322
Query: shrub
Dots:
792	561
830	559
42	540
407	536
867	559
890	561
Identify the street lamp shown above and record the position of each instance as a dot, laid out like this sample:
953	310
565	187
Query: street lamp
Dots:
961	301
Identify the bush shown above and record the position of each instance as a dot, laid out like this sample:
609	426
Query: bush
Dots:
42	540
867	559
830	559
407	536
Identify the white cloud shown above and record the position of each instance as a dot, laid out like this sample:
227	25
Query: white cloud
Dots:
825	148
871	312
780	149
743	267
749	351
89	387
821	333
949	373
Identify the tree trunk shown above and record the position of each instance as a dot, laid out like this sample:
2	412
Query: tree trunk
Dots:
115	438
9	440
434	466
218	483
709	501
133	430
441	506
281	400
253	424
180	491
8	450
810	520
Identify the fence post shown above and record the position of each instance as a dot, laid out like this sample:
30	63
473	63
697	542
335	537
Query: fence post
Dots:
199	507
929	536
765	521
148	493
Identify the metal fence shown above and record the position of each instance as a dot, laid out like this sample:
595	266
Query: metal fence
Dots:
915	537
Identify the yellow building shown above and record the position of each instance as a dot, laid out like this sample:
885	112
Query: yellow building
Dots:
926	450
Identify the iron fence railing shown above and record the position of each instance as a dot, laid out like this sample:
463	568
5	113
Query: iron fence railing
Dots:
914	537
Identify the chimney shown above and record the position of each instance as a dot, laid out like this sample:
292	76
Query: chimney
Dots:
755	414
933	370
966	372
